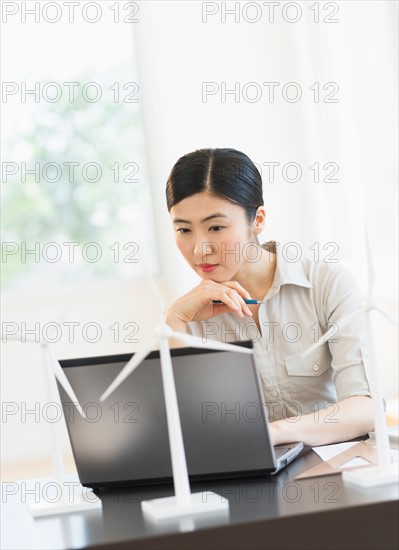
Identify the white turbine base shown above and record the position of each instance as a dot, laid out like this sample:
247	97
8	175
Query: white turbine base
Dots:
63	506
372	476
200	503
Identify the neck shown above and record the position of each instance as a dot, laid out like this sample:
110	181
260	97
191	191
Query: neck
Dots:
257	277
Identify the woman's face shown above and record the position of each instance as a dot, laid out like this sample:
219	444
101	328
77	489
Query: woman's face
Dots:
212	230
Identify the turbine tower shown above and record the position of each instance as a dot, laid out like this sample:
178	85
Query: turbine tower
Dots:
386	471
65	504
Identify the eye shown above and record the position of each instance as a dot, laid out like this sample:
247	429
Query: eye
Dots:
217	226
185	230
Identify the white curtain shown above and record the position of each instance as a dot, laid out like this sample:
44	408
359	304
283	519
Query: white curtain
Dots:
352	141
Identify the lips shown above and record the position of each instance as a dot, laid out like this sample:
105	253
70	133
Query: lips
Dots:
208	268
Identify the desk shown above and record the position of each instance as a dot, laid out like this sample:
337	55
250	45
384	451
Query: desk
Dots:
265	512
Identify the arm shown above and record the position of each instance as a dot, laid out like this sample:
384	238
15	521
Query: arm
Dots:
352	415
346	420
178	326
198	305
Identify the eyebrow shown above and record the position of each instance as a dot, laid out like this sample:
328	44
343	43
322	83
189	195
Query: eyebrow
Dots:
216	215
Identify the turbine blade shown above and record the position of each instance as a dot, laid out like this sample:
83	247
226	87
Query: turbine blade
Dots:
63	380
197	342
391	318
134	362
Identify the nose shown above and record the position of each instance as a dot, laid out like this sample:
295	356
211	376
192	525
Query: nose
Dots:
203	249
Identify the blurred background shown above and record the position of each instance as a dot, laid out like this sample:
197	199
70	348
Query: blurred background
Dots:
99	103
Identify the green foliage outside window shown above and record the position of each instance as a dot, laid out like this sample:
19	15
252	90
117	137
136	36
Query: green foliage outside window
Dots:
75	208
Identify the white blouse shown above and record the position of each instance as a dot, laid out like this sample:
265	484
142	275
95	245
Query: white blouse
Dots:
305	299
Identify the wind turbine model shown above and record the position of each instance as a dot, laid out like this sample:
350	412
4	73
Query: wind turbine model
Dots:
68	502
184	502
386	471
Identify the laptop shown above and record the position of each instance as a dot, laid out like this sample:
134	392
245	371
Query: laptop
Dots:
124	440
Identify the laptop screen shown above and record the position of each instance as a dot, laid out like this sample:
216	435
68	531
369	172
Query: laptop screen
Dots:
124	440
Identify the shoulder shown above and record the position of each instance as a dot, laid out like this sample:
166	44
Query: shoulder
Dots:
334	288
325	277
329	277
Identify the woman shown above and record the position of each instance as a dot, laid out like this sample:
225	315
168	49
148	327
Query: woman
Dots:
215	200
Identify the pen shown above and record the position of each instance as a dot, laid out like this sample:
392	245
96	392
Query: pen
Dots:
245	300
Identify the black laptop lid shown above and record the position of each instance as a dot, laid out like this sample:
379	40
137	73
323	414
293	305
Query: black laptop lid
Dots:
124	440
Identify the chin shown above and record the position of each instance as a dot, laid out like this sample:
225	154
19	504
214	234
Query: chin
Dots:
210	276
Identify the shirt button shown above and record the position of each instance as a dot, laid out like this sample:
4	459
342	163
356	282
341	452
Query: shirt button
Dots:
274	393
316	367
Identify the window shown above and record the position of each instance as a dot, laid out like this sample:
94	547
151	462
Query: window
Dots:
76	199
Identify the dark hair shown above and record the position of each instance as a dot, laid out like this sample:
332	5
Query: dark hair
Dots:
225	173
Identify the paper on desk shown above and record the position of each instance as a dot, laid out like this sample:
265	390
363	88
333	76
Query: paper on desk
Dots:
344	456
354	454
326	452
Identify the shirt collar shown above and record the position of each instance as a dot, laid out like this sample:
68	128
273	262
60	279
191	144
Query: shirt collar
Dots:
287	272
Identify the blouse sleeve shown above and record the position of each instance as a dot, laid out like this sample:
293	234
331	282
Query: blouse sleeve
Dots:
348	345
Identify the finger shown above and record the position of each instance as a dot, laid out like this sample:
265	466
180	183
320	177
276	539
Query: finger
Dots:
229	301
238	300
239	288
245	307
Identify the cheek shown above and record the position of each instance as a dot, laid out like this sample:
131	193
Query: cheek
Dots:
234	247
181	245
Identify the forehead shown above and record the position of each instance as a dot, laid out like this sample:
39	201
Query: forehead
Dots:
196	208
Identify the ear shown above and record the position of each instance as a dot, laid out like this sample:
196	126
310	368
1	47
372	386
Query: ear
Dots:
260	220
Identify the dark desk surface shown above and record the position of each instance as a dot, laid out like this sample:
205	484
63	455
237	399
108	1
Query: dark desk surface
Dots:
265	512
